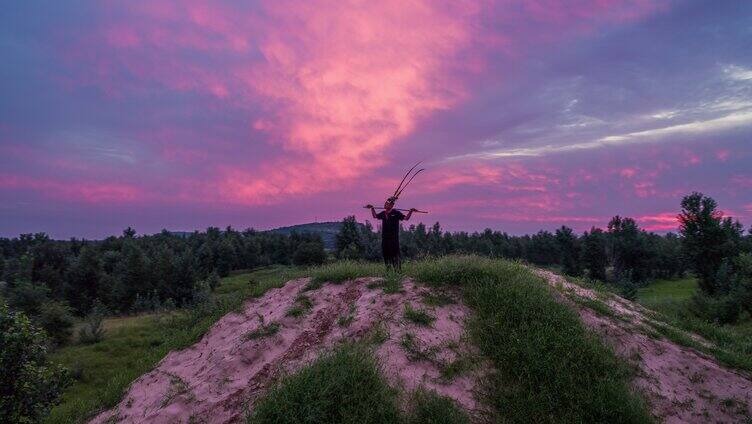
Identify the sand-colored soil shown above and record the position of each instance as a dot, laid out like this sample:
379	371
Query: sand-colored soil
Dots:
219	378
681	384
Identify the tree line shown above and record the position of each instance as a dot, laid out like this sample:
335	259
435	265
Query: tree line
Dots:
713	247
50	279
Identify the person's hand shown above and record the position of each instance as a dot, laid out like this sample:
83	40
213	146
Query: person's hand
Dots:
413	210
369	206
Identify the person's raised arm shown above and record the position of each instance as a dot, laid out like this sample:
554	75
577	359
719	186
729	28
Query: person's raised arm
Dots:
410	213
373	211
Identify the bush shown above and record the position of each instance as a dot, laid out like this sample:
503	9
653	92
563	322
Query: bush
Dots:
628	290
201	293
309	253
429	407
56	319
28	297
30	384
344	386
93	329
213	280
720	309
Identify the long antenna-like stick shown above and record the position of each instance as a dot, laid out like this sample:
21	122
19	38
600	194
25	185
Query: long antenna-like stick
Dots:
408	181
403	210
403	178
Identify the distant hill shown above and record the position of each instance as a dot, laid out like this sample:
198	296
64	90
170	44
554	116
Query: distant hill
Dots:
327	230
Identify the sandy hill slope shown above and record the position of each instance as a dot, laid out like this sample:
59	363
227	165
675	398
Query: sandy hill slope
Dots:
218	379
681	384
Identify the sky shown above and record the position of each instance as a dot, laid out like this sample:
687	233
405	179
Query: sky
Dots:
184	114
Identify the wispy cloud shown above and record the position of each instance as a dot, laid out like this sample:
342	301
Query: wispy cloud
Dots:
738	73
715	116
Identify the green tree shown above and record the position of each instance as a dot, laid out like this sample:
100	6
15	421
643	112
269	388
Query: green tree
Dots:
348	242
93	329
309	253
28	297
56	319
742	289
542	249
594	256
708	238
631	254
225	258
30	384
133	272
570	251
83	277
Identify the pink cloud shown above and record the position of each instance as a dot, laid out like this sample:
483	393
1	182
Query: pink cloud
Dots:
340	83
742	181
645	189
628	172
74	191
664	221
691	159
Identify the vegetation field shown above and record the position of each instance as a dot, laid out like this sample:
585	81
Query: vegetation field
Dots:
134	344
672	300
667	295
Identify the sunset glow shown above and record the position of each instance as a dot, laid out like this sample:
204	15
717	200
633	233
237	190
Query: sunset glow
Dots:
186	114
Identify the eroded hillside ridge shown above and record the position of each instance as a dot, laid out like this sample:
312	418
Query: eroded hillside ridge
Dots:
681	384
219	378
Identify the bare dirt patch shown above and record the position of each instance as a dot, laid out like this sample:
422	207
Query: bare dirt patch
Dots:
681	384
219	378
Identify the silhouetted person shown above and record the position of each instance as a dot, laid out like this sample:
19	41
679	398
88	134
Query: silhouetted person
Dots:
390	225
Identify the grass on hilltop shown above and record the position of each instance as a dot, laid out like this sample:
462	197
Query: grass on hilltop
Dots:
341	271
549	368
418	316
134	345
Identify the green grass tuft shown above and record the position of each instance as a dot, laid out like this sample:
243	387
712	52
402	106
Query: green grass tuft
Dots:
415	351
550	369
437	299
339	272
418	316
429	407
302	306
344	386
378	334
597	306
263	331
393	281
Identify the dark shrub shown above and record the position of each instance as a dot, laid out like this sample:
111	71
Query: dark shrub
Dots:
30	384
56	319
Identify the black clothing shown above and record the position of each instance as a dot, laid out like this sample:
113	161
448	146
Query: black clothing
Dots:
390	236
